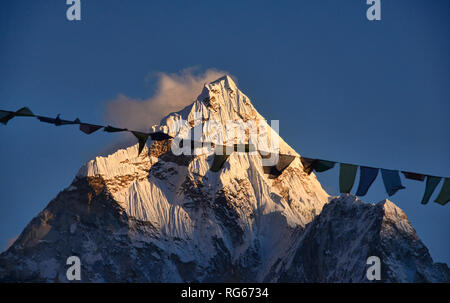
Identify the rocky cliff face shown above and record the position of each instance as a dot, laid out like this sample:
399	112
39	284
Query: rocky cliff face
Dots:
158	217
336	245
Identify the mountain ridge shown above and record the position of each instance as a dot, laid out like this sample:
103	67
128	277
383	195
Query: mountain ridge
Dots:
157	217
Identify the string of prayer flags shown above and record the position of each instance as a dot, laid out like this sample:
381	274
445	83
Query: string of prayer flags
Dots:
444	195
367	176
430	186
86	128
391	180
413	176
347	174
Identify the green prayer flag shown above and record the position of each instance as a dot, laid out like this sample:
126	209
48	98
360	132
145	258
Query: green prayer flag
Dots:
142	138
347	174
323	165
430	186
444	195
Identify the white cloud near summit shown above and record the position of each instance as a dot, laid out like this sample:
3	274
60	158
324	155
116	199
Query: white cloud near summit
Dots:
173	92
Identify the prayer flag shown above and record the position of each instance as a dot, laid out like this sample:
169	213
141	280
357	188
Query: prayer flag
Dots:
391	180
308	164
218	162
142	138
323	165
444	195
24	112
89	128
413	176
347	174
159	136
276	170
5	116
367	176
430	186
111	129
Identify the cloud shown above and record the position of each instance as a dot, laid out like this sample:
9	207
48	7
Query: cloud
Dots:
174	91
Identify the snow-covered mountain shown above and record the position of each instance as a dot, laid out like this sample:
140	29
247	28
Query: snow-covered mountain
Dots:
158	217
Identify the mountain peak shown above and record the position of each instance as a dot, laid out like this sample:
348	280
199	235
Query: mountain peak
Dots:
227	80
158	217
224	105
224	92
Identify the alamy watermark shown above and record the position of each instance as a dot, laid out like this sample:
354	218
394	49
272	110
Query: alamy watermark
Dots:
73	273
374	11
202	136
374	270
74	10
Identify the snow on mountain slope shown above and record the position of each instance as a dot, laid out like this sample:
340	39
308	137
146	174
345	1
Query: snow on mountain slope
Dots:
151	189
160	217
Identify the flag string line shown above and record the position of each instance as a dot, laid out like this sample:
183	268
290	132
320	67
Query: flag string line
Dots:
26	112
284	160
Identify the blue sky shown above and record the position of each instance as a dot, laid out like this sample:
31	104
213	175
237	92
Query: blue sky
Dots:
343	88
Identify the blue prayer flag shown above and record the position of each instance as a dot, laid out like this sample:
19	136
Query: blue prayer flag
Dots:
391	180
367	176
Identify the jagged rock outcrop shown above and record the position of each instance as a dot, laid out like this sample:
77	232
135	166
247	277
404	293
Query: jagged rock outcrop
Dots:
336	245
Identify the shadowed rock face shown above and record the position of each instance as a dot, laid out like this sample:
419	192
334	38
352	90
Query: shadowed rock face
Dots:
159	218
336	245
